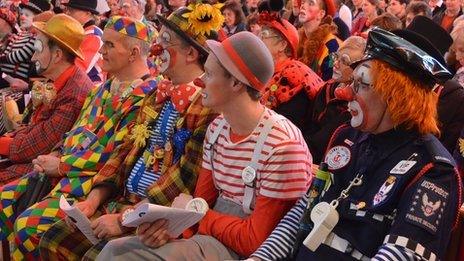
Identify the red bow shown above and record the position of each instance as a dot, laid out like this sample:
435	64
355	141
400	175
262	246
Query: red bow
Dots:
180	95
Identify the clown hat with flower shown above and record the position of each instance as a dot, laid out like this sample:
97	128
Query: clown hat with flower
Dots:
195	23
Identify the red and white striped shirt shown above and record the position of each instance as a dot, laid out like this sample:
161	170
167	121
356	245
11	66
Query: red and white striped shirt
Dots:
284	170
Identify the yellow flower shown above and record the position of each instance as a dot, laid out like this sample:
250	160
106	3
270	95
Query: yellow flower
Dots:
139	134
204	17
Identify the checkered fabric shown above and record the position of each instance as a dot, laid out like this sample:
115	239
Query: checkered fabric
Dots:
104	122
130	27
179	176
61	243
51	123
109	118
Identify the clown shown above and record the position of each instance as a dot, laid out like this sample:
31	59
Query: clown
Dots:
393	164
107	115
317	36
164	147
293	86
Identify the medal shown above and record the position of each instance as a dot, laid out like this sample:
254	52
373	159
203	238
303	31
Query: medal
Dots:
159	153
180	122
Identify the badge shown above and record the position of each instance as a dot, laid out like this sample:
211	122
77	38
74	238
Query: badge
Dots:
150	112
338	157
403	167
348	142
384	190
248	175
427	206
139	134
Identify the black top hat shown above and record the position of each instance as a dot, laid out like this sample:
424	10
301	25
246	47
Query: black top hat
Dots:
36	6
85	5
432	31
404	56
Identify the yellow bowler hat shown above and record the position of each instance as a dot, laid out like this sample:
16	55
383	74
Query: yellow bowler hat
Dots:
66	31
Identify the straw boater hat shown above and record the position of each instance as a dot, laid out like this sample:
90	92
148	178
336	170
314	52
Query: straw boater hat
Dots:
66	31
246	57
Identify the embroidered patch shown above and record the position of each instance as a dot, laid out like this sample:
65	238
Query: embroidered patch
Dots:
338	157
384	190
426	209
403	167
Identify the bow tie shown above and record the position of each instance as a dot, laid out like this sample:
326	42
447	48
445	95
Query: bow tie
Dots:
180	95
42	93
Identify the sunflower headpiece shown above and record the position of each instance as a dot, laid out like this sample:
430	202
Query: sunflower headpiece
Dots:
204	17
195	23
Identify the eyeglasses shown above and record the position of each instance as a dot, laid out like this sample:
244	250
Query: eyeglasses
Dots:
358	84
342	58
266	34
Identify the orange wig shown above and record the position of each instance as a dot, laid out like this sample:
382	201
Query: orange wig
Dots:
409	103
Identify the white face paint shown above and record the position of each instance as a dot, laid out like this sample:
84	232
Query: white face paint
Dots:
337	74
362	79
26	18
165	57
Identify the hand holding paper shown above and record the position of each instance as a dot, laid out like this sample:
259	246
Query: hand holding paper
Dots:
178	219
79	219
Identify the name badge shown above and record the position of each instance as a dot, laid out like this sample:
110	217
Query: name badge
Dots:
403	166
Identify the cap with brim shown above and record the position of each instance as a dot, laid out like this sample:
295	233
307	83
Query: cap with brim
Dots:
226	62
423	43
65	31
246	57
404	56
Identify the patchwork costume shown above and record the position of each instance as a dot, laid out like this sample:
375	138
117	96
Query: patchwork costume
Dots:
164	159
93	145
48	125
250	180
158	167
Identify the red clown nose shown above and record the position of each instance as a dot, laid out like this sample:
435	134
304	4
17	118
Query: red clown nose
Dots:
199	82
345	93
156	50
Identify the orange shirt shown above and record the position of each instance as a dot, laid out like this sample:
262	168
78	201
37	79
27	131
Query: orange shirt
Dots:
447	22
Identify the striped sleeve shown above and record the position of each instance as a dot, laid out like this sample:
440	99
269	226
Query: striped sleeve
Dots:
23	54
402	248
279	244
